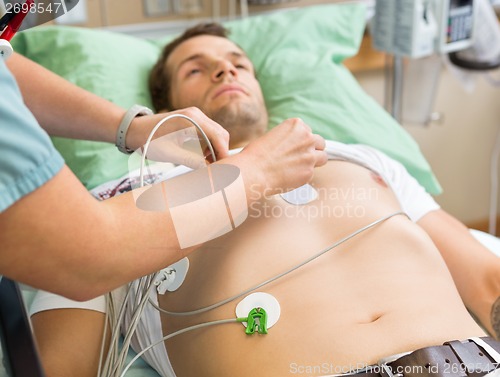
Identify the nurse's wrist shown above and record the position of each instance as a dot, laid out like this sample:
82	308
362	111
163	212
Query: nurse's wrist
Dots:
134	138
131	134
254	179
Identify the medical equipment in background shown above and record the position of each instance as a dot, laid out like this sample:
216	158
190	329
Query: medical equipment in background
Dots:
484	53
482	57
420	33
466	33
418	29
9	25
18	15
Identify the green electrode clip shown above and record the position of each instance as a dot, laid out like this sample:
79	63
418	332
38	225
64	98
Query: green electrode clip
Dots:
256	321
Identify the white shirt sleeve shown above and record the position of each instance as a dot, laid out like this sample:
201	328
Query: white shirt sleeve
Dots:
413	198
48	301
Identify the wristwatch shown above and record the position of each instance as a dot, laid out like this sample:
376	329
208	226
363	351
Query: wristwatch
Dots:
130	115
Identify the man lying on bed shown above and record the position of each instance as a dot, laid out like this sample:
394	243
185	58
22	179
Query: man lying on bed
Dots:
383	292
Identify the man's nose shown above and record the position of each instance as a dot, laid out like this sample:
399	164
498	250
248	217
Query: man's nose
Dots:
222	69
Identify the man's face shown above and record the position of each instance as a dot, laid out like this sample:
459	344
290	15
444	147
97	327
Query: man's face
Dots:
215	75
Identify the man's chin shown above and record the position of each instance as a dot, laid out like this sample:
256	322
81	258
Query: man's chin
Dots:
227	119
230	111
239	113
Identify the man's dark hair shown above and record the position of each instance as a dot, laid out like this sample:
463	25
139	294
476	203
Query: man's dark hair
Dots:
159	78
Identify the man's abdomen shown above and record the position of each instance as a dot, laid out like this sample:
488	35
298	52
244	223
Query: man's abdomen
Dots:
382	292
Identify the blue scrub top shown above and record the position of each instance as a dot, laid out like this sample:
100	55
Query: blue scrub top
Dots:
27	157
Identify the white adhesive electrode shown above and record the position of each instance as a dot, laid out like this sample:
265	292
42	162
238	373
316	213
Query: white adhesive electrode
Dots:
301	195
171	278
260	300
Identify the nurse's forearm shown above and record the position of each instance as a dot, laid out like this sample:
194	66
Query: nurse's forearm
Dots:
60	239
61	108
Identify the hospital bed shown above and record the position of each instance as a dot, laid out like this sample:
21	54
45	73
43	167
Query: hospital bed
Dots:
298	56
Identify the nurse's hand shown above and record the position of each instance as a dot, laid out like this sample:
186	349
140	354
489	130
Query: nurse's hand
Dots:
281	160
172	140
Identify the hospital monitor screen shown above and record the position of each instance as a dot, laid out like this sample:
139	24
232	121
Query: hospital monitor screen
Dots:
457	25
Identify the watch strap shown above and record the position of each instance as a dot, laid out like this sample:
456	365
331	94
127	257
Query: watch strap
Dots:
130	115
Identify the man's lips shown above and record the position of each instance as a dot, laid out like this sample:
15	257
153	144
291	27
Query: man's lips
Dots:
228	88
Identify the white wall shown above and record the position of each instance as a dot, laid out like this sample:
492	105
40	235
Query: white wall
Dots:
459	149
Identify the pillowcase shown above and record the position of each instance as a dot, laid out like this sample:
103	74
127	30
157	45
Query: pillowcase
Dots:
297	55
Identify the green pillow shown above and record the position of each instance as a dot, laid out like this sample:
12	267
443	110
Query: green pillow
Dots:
298	59
297	55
